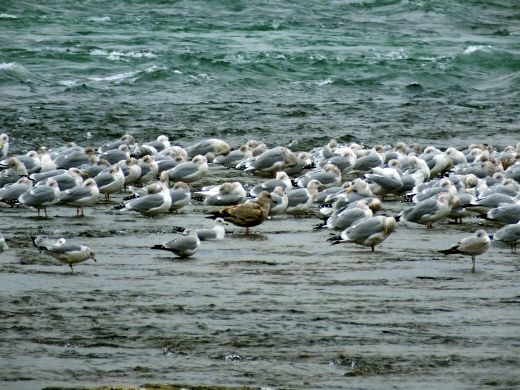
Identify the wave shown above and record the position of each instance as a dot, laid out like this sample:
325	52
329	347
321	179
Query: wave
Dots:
115	55
12	71
130	77
8	16
99	19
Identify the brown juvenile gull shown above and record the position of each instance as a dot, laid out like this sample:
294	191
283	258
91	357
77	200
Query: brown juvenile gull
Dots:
471	246
247	214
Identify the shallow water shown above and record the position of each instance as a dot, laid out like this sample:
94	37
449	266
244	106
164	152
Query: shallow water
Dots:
281	309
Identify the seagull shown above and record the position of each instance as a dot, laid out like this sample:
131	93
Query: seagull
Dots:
225	194
11	192
126	139
234	157
114	156
152	204
184	245
212	145
75	158
181	195
217	232
506	213
248	214
430	210
162	142
347	216
110	181
41	196
471	246
80	196
300	199
328	176
279	201
4	145
368	232
270	161
190	171
14	169
282	179
509	234
66	253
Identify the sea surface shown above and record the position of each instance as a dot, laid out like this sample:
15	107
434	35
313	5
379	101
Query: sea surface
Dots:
284	309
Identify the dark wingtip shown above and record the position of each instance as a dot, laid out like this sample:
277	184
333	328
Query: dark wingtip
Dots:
130	197
334	239
158	246
178	229
319	226
119	206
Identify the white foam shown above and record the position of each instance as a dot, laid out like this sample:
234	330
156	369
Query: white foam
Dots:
8	65
69	83
99	19
8	16
475	48
324	82
116	78
116	55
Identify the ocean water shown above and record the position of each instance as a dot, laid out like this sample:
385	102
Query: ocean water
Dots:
284	310
297	74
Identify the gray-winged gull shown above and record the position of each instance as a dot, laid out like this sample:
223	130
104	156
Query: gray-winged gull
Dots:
472	246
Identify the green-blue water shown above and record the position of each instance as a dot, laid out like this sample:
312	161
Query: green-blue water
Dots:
297	74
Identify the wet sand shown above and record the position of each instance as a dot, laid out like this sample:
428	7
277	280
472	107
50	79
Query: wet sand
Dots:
279	309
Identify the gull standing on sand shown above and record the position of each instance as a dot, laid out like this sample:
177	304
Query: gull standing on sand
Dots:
184	245
80	196
471	246
430	210
368	232
110	181
41	196
248	214
347	216
64	252
509	234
